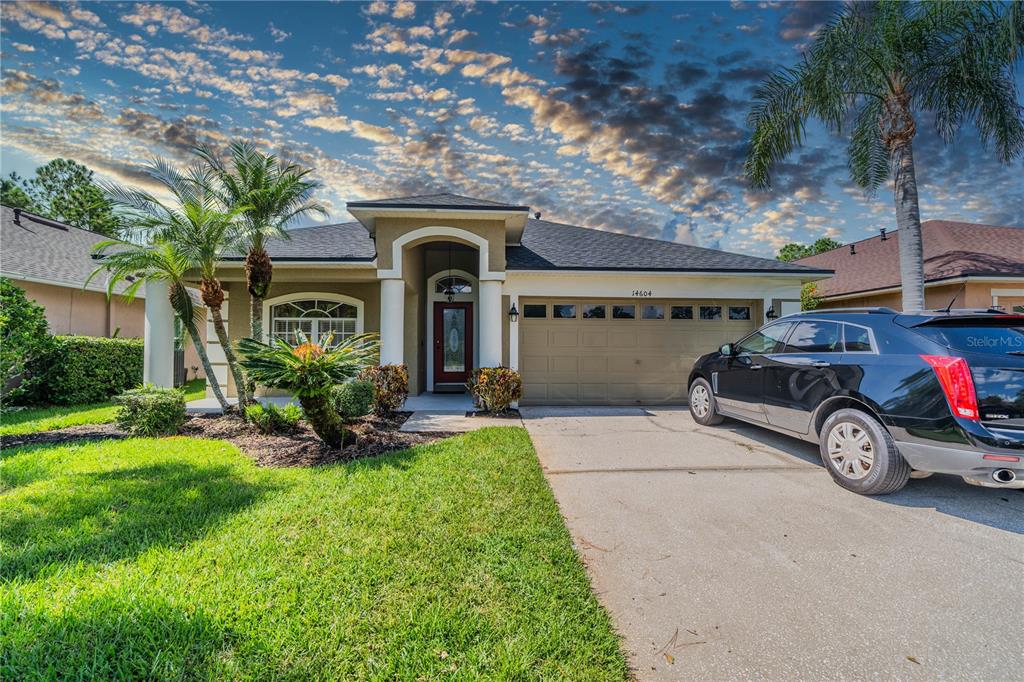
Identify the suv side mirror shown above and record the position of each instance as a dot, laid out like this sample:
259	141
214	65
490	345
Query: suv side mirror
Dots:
726	349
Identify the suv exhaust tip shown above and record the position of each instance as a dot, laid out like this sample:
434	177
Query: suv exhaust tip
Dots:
1004	476
1000	478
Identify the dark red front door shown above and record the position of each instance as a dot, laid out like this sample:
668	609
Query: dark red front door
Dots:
453	342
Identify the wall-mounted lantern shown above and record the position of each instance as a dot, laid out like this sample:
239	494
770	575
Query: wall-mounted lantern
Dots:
771	314
513	314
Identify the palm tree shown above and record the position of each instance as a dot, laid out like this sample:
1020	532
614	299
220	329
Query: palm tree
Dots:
161	261
310	370
878	66
199	230
276	193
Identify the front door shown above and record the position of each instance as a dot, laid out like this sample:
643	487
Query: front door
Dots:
453	342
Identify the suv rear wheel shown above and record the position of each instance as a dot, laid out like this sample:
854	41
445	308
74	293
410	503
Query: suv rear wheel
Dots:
703	406
860	454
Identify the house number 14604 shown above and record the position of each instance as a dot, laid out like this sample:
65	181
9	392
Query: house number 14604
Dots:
642	293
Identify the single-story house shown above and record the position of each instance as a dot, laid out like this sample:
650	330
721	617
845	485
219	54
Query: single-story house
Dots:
974	266
452	283
51	261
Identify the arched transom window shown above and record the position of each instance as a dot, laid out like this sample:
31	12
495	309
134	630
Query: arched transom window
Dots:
458	285
317	318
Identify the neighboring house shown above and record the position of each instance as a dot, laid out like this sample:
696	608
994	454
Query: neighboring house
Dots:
452	283
974	266
51	262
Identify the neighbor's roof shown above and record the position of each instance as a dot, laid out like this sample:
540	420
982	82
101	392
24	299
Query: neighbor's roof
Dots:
43	250
444	200
545	246
951	250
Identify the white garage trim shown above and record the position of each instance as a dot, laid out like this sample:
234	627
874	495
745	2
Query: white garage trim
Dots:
615	284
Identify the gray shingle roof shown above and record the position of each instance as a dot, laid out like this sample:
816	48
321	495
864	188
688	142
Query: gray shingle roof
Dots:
343	241
442	200
545	246
41	249
554	246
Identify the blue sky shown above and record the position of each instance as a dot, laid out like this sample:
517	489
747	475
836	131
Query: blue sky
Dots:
628	117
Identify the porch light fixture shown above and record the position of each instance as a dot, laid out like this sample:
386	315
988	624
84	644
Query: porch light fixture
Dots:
513	314
771	314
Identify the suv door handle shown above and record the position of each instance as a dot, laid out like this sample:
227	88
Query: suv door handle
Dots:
754	367
821	363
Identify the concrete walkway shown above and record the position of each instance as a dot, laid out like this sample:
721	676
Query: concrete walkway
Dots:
728	553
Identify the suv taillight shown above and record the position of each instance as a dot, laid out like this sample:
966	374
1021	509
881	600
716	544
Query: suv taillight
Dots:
955	377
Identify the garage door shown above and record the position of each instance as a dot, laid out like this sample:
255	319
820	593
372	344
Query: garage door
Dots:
603	352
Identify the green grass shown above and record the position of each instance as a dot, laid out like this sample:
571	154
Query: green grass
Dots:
180	559
36	419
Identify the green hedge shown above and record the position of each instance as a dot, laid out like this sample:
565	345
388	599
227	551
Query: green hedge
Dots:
89	369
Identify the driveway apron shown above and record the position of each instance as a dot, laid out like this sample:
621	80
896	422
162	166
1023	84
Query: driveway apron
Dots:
728	553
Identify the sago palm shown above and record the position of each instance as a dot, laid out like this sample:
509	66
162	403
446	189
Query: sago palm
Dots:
199	230
875	69
136	264
276	193
310	370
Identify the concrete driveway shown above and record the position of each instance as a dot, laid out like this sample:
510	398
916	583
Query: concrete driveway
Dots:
727	552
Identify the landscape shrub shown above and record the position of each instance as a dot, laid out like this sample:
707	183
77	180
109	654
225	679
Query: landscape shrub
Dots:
24	340
353	399
390	387
495	388
270	418
89	369
151	411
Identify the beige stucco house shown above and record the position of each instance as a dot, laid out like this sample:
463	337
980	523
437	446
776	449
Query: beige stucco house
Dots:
51	261
966	264
452	283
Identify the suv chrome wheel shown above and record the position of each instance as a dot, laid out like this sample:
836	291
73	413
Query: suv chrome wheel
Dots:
850	450
700	401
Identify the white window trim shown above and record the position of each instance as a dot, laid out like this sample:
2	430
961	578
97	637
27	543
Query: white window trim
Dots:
268	304
433	296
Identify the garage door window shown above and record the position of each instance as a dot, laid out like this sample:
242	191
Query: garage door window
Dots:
537	311
682	312
739	312
711	312
624	312
563	311
654	312
594	311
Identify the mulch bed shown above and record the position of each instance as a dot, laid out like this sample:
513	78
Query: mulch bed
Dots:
507	414
372	436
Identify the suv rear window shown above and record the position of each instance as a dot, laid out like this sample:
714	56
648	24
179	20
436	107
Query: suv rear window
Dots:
813	337
973	338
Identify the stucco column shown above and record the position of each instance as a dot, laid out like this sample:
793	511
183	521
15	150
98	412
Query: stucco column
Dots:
489	344
392	321
513	334
158	337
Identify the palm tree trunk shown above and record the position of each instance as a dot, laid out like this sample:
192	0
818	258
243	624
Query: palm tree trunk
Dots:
229	354
256	317
908	221
325	421
211	378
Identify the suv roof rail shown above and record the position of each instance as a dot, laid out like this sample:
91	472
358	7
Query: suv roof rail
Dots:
882	310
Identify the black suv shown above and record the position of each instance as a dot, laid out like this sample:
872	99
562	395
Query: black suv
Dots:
885	394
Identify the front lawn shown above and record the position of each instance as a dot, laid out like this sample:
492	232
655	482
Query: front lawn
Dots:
32	420
180	559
